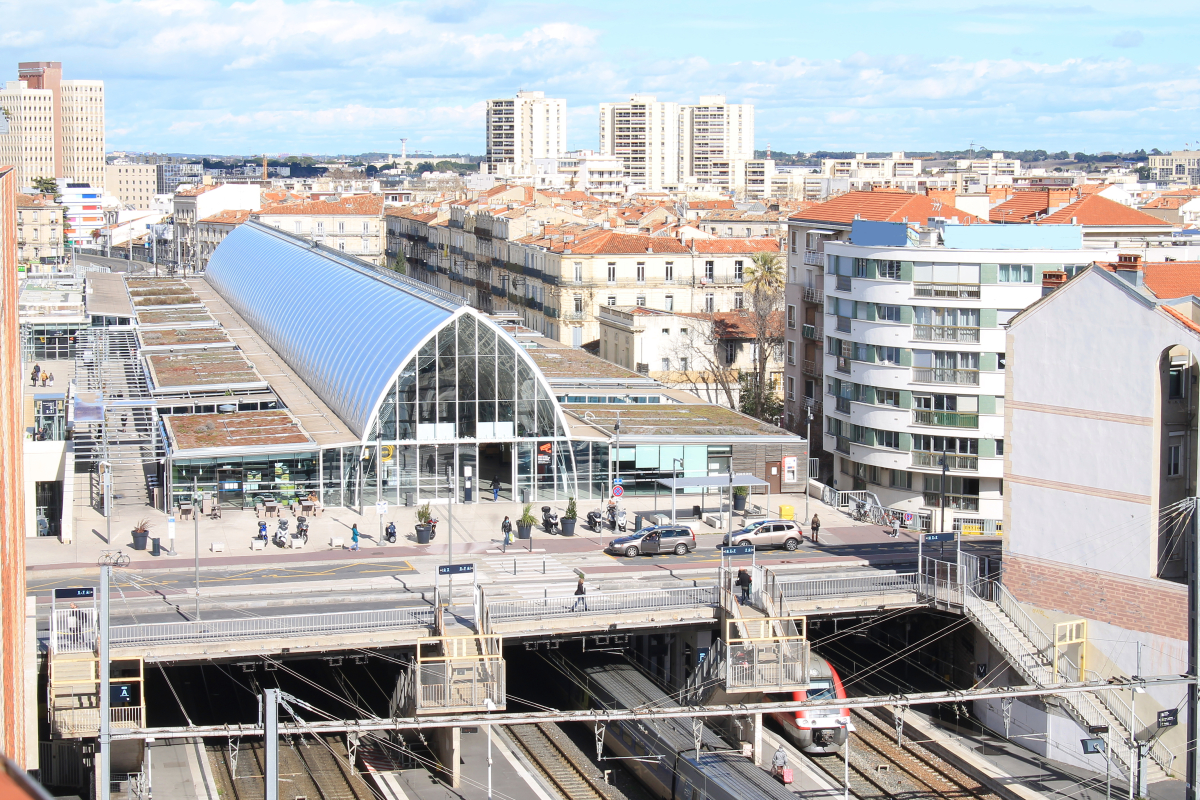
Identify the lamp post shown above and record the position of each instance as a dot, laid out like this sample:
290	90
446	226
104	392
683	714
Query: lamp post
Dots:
674	461
808	466
449	525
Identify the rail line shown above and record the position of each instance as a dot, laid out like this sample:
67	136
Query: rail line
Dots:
556	764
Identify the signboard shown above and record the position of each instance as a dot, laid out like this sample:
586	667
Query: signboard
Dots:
1092	747
121	694
229	486
387	452
939	537
1096	730
1168	718
908	517
618	481
381	507
170	527
618	491
745	550
74	594
544	452
456	569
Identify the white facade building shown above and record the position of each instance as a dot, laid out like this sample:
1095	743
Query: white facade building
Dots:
521	129
915	357
84	212
716	139
644	134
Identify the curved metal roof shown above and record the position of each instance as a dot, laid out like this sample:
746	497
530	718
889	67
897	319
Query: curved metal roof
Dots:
341	325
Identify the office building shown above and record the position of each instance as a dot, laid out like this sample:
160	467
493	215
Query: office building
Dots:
523	128
133	184
55	127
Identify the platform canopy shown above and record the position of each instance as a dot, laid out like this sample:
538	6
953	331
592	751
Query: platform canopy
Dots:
712	481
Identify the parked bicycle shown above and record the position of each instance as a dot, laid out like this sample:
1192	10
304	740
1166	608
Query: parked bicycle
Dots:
113	558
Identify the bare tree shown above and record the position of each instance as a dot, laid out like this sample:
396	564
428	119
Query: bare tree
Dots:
702	349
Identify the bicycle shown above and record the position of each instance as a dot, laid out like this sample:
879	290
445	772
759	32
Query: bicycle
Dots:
113	558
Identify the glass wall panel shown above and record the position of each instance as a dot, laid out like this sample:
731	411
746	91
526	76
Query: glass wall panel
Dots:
350	475
369	468
468	473
406	408
331	477
525	472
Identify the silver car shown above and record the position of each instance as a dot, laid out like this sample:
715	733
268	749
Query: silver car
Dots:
783	533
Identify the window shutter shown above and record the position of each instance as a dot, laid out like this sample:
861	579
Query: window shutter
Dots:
865	311
905	398
905	357
987	404
906	271
905	441
987	362
869	437
987	448
987	317
906	315
1038	269
988	273
872	268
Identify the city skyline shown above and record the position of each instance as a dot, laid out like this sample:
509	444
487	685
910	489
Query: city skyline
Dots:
253	77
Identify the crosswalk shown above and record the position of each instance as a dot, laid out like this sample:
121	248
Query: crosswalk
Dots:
530	575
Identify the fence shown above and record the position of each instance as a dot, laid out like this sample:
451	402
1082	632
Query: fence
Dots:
270	627
461	683
610	603
73	630
856	586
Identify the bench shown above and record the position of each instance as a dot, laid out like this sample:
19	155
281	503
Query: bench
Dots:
217	547
297	543
715	520
755	511
337	543
258	544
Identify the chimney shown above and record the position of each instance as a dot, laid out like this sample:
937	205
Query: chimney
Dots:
1052	279
1129	268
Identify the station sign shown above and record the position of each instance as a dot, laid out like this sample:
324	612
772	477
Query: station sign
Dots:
456	569
74	594
1168	718
742	550
939	537
1096	730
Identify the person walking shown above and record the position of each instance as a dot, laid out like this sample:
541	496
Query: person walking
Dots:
37	373
580	595
496	489
45	377
895	524
51	378
744	581
816	529
506	529
354	536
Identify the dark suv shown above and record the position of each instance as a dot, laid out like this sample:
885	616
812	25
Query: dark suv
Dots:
677	539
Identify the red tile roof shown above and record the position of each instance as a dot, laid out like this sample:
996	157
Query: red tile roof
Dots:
195	190
359	205
1021	207
882	207
234	217
1185	320
36	200
1094	210
717	246
1170	279
1168	202
702	205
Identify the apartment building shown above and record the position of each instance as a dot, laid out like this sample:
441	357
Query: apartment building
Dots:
914	358
1176	167
133	184
211	231
595	175
83	210
864	171
55	127
170	175
40	223
716	139
523	128
353	225
643	134
193	204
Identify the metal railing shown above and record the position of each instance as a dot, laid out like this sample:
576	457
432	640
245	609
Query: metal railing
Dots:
461	683
809	367
843	324
855	586
966	291
923	458
974	526
958	502
842	444
814	295
945	333
814	332
73	630
770	665
814	258
964	377
945	419
72	722
607	603
150	634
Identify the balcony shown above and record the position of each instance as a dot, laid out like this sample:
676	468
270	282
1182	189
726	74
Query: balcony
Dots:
958	502
843	404
575	316
843	324
814	258
814	295
843	283
961	377
963	291
921	458
945	419
810	367
945	333
842	445
814	332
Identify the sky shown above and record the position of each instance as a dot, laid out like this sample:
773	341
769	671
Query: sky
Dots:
351	76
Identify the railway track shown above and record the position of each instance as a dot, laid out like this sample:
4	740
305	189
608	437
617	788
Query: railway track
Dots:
309	770
552	759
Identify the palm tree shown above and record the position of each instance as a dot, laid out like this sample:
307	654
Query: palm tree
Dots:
765	272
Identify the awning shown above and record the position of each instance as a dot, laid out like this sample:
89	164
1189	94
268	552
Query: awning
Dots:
818	230
716	481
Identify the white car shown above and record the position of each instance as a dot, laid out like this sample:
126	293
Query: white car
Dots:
783	533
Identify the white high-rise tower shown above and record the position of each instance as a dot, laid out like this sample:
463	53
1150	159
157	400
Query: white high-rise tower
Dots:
644	135
523	128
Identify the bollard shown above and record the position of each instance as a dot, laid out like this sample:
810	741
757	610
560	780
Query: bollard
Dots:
514	566
543	565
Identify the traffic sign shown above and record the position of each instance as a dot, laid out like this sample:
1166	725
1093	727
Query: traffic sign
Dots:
618	481
456	569
74	594
908	517
1168	718
618	491
381	507
939	537
742	550
1092	747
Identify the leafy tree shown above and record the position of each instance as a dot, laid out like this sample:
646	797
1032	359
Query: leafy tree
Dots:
759	399
764	305
46	185
425	166
400	264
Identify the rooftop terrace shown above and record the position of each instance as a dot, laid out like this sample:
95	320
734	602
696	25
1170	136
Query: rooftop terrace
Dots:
184	338
241	430
202	370
690	419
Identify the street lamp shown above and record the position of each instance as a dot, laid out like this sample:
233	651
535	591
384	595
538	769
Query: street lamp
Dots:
808	466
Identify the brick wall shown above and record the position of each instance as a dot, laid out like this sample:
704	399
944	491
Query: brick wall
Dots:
1153	606
12	488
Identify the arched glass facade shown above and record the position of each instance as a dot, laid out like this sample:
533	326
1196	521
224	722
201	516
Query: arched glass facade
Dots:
469	401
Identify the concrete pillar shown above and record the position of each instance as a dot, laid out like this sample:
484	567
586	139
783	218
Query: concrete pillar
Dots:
759	759
447	749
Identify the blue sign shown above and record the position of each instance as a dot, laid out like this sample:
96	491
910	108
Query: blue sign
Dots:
74	594
618	481
745	550
456	569
939	537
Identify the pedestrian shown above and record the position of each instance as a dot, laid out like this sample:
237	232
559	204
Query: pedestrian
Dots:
354	536
496	490
51	378
45	376
778	762
816	529
895	525
506	529
744	580
580	595
37	372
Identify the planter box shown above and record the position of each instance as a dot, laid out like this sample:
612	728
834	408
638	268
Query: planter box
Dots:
524	531
568	526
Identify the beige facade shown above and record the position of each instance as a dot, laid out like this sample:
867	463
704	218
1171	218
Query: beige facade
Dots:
54	128
39	228
353	225
211	231
133	184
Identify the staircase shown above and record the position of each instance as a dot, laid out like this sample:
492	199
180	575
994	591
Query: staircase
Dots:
1031	652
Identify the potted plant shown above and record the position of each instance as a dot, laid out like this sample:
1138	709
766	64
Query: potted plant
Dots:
141	534
739	497
526	522
569	517
423	528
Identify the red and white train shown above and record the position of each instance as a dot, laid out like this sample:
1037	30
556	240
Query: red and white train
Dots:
820	730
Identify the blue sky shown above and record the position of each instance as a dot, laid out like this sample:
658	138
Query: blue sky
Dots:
353	75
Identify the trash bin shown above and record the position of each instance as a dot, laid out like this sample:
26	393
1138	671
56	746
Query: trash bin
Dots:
697	512
155	549
637	521
787	512
423	532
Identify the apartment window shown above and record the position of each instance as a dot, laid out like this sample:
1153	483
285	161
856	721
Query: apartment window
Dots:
887	313
342	245
900	479
709	270
669	302
683	331
666	331
666	365
1174	460
341	227
612	299
887	355
791	316
578	304
641	300
578	272
738	271
297	227
612	272
888	269
791	352
887	397
952	444
793	241
1016	273
1177	382
366	227
683	364
320	227
860	267
710	303
739	300
791	388
999	447
641	272
670	271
